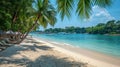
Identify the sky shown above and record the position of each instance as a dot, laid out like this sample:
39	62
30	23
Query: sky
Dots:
99	15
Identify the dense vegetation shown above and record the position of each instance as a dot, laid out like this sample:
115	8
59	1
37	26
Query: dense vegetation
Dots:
111	27
19	17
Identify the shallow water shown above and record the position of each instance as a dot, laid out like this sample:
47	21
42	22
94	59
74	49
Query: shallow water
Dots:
106	44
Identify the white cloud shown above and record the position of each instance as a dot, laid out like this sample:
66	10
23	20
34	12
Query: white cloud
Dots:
102	13
99	15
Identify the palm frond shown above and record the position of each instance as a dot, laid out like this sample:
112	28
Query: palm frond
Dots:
47	13
84	8
102	3
43	22
45	3
64	7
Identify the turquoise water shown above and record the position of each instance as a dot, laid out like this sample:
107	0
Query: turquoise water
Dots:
106	44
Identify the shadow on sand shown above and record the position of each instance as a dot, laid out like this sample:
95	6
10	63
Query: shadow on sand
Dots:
17	48
42	61
52	61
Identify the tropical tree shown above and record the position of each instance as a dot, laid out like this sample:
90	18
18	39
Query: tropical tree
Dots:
45	14
118	26
109	26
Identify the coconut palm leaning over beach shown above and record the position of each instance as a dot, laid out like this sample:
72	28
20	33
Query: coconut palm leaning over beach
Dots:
45	14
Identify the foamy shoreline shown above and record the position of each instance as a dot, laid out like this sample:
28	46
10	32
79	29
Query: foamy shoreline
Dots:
87	56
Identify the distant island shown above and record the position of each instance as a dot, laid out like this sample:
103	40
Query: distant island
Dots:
111	27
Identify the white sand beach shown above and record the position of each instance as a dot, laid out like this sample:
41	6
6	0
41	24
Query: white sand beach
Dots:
35	52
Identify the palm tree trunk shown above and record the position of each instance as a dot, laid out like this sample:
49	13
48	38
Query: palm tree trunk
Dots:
30	29
14	16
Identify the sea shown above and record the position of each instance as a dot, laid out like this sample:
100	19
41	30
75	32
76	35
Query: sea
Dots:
106	44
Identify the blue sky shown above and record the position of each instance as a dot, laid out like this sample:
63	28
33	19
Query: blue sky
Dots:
99	15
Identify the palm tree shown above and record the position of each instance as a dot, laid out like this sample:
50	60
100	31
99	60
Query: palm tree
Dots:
45	14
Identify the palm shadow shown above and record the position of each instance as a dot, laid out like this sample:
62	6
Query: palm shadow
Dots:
19	62
52	61
42	61
6	56
33	41
34	47
16	49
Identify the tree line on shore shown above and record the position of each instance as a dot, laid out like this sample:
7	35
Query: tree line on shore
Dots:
111	27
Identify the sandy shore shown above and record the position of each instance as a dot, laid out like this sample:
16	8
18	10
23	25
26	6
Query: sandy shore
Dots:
37	53
40	53
91	57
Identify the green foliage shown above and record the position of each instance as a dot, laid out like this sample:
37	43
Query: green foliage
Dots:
64	7
13	14
111	27
46	12
102	3
21	15
84	7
